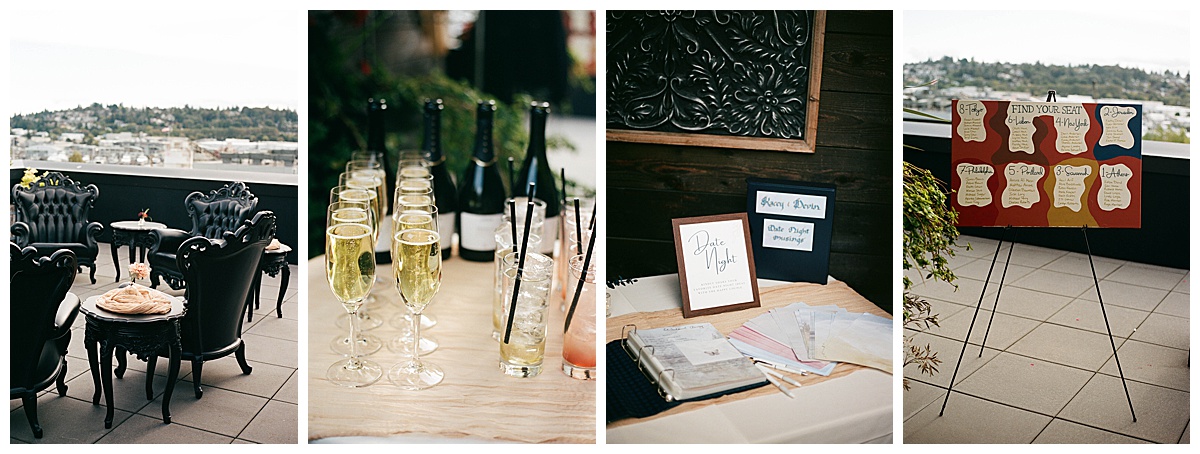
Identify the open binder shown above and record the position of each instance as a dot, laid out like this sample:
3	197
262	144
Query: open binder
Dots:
645	378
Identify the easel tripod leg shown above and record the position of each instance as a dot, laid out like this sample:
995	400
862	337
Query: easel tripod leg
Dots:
1106	326
954	376
999	288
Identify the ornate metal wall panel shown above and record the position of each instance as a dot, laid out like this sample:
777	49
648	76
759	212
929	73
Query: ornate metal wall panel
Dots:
724	73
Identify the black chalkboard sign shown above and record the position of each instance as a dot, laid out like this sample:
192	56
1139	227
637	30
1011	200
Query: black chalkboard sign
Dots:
737	79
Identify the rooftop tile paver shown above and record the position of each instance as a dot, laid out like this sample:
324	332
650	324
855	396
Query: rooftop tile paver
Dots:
1005	329
973	420
1027	383
1056	283
1076	263
1175	303
146	429
1127	295
1086	315
978	269
1066	432
1024	303
1153	364
948	350
1101	403
1068	346
1148	275
1057	382
1166	330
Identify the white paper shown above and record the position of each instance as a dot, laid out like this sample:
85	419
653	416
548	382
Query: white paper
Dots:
701	352
788	235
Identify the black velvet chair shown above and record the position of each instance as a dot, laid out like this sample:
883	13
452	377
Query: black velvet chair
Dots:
218	275
52	214
42	311
213	214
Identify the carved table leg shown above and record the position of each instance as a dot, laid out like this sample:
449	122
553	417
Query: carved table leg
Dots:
106	354
91	345
172	375
287	273
113	248
122	361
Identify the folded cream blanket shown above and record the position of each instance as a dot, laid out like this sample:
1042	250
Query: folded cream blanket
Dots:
135	299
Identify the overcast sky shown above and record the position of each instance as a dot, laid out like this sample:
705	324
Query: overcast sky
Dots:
155	58
1151	40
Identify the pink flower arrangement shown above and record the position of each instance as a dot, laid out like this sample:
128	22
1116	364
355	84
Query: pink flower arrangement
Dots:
138	271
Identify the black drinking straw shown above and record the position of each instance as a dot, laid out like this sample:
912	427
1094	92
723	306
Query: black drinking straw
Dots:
592	225
587	260
512	309
578	228
512	223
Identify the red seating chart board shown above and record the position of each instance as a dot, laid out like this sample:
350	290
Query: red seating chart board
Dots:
1046	164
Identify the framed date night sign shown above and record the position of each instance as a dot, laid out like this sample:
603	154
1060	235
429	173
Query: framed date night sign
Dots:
729	79
1046	164
716	264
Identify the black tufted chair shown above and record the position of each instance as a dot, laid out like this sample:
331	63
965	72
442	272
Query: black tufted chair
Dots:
41	311
213	214
52	214
218	275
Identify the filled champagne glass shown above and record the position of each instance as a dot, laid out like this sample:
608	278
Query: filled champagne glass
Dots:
352	212
371	198
350	269
413	219
417	267
366	169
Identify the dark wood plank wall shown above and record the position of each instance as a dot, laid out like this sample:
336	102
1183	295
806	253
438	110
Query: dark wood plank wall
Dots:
648	185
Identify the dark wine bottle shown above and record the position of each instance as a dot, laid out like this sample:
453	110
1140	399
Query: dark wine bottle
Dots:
480	193
444	192
377	150
536	169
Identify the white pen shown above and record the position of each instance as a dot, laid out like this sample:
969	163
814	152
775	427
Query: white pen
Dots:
778	366
778	375
780	386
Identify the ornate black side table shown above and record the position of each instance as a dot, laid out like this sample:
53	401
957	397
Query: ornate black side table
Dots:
142	335
136	235
273	262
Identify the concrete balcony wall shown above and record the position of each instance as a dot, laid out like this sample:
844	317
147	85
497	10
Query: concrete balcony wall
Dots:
126	190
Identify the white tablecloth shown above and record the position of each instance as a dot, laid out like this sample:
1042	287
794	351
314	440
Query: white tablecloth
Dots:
856	408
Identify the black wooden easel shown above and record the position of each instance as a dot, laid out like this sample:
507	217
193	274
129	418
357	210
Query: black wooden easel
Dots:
1011	244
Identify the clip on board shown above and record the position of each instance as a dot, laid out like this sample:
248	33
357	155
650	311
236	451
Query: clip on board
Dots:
791	227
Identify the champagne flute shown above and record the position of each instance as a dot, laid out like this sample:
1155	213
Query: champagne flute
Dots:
350	269
352	212
417	266
412	168
410	202
368	196
424	218
370	168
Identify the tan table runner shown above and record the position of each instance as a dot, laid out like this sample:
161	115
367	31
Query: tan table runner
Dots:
836	293
474	400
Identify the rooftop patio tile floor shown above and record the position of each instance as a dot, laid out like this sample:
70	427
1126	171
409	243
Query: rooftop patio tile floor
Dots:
1047	374
256	408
